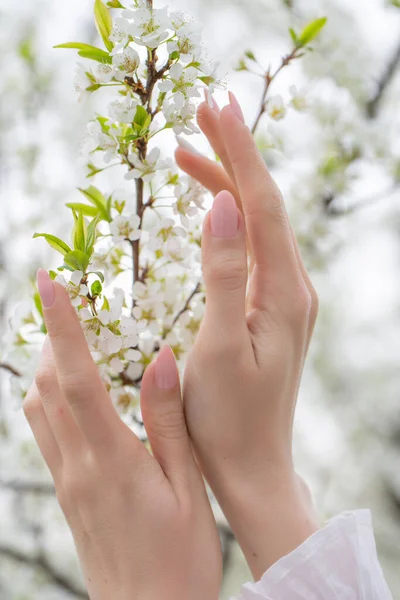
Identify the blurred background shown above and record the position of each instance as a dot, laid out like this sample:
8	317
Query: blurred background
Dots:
338	165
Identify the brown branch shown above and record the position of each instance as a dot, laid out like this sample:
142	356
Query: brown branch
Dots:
41	562
11	369
183	310
333	211
373	105
29	487
286	60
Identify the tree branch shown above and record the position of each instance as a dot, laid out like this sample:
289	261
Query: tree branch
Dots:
41	562
372	107
11	369
29	487
183	310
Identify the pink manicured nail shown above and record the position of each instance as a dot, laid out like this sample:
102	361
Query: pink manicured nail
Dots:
165	371
46	288
213	104
224	216
236	106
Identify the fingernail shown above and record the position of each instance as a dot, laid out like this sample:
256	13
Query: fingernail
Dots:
46	288
211	101
165	371
186	146
236	106
224	216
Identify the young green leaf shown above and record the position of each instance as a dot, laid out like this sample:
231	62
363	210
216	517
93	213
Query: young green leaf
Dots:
88	211
99	275
311	31
250	55
77	261
103	20
91	235
54	242
79	232
115	4
38	303
294	37
97	199
87	51
96	288
52	274
141	116
106	304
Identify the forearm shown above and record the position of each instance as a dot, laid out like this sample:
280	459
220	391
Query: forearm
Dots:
270	518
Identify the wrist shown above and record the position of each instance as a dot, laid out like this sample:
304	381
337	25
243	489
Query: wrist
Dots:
271	514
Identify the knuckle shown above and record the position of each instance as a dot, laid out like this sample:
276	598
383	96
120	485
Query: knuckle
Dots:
76	386
228	272
44	380
31	406
169	424
301	307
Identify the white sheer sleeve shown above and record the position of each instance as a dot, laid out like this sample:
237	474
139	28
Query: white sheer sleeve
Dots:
338	562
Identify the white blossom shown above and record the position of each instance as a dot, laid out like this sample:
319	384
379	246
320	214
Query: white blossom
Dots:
126	63
104	72
189	198
75	289
276	108
149	27
122	111
187	42
124	227
96	139
181	119
147	168
83	80
299	98
120	33
181	81
164	231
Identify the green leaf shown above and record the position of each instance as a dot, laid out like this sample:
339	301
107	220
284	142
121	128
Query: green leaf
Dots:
87	51
141	116
294	37
52	274
96	197
106	305
311	31
103	20
38	303
96	288
99	274
174	55
91	235
115	4
88	211
79	233
54	242
250	55
77	260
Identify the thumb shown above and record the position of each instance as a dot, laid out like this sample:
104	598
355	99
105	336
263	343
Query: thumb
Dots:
163	417
224	260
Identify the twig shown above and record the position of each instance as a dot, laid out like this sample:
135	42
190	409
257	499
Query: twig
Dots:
286	60
351	208
11	369
40	561
372	107
28	487
183	310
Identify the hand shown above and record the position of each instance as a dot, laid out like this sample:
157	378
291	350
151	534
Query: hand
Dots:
142	525
243	373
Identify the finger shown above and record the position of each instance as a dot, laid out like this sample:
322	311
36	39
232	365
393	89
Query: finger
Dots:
224	261
265	215
58	413
208	173
164	418
77	373
36	417
209	123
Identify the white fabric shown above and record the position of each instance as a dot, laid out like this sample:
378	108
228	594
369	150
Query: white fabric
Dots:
338	562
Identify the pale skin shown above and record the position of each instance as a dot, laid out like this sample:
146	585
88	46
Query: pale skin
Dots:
142	524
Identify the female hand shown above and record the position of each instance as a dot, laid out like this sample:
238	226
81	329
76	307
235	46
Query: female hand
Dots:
243	373
142	525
